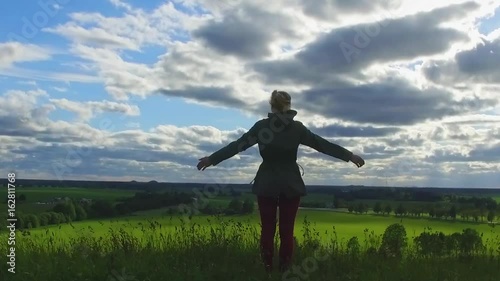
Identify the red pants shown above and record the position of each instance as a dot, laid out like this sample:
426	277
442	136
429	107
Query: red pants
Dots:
287	212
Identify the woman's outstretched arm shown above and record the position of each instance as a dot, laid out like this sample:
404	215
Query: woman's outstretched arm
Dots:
318	143
247	140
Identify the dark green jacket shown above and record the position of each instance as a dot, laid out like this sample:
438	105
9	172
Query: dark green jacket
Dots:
279	137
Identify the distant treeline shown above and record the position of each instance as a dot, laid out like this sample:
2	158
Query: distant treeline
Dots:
390	194
77	210
368	192
467	209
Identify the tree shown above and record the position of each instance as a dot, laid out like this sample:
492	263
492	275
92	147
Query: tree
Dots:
453	212
360	208
20	224
234	207
80	212
248	206
377	208
32	221
67	208
54	218
336	202
350	208
22	197
44	219
432	212
388	209
400	210
491	216
103	208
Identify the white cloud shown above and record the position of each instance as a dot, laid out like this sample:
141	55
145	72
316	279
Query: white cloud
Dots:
49	76
13	52
88	110
443	125
60	89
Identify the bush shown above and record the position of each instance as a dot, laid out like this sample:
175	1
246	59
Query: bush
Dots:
211	209
432	244
248	207
470	242
32	221
44	219
80	212
234	207
394	241
353	247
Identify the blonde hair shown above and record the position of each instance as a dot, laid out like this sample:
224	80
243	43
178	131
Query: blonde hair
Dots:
280	100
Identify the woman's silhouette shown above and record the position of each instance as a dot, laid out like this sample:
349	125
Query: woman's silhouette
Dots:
278	182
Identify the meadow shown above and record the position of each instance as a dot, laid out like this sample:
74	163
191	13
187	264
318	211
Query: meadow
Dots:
155	245
216	248
44	194
329	224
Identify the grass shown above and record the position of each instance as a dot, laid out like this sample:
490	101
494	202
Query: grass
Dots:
224	249
151	245
328	224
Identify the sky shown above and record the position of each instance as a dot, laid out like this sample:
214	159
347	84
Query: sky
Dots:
140	90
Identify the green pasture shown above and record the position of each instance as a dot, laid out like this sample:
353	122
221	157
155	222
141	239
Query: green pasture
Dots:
327	225
34	195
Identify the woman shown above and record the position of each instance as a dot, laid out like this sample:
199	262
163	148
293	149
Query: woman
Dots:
278	182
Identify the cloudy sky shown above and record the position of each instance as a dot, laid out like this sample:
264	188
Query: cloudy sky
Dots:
139	90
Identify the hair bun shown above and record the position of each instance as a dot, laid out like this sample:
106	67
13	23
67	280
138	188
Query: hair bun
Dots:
280	100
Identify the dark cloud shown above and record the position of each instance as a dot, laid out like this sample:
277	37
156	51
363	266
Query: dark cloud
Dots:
19	127
380	152
328	9
482	59
396	103
406	140
349	49
234	37
70	154
14	126
479	64
214	95
338	130
486	153
245	32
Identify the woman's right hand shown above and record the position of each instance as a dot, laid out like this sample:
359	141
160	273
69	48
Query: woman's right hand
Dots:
356	159
204	163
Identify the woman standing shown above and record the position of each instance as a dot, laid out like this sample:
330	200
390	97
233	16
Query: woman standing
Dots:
278	182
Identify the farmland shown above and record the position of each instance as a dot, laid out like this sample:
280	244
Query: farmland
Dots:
136	244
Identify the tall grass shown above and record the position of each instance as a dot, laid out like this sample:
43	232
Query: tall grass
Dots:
228	250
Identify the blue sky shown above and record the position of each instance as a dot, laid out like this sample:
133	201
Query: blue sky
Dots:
179	79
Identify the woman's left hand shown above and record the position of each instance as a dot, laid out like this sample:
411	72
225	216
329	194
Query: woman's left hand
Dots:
204	163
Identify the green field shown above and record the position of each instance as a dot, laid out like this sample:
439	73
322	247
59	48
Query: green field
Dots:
153	245
328	224
43	194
